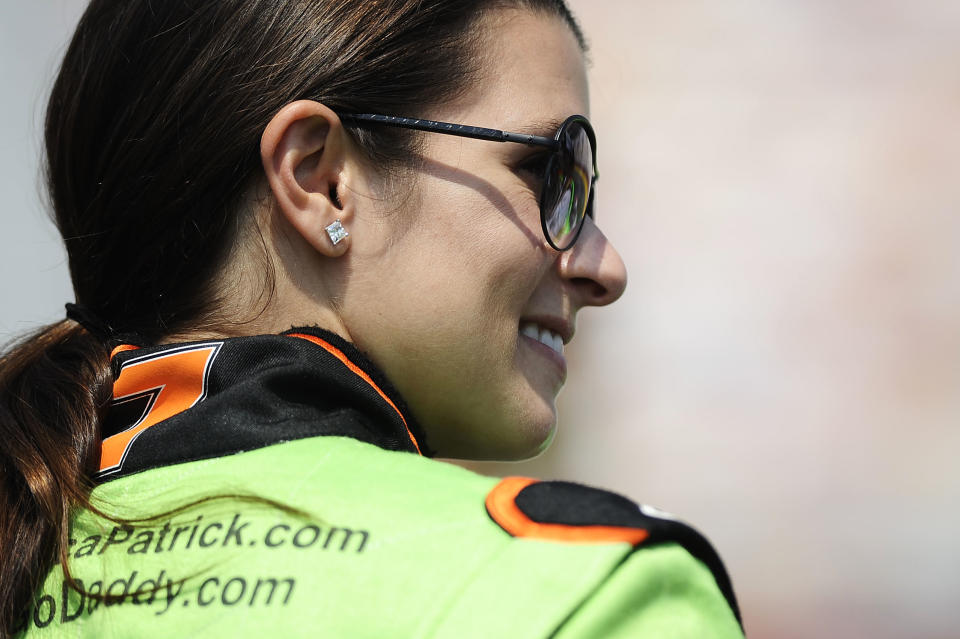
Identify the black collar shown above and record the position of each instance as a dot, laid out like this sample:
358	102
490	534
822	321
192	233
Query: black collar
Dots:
183	402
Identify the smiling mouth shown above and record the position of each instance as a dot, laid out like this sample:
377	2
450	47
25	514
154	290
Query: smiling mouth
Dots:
543	335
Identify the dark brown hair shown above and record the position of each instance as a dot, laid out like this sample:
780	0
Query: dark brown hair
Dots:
152	139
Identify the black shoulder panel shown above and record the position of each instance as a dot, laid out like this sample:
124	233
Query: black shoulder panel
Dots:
570	504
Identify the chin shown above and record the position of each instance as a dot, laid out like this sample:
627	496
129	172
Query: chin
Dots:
541	447
518	438
530	431
536	434
508	427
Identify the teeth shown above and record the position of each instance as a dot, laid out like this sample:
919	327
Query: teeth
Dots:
544	336
530	330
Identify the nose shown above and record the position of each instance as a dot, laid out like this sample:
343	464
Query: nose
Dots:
593	268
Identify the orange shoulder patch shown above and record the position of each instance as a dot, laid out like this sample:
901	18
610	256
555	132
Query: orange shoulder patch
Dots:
573	513
552	522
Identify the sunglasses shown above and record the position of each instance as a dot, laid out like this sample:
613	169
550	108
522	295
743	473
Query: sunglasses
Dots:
569	176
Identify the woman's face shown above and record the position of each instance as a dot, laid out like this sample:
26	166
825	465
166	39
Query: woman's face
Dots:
446	292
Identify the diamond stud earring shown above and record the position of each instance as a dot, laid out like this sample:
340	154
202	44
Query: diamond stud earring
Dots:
336	232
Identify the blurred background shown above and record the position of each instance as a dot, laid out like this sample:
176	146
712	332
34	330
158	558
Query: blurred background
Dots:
781	177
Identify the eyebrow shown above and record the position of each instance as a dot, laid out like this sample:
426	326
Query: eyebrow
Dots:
542	128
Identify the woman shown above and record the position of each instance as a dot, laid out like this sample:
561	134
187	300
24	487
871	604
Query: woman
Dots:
288	297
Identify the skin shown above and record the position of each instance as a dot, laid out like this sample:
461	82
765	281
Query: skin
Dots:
438	273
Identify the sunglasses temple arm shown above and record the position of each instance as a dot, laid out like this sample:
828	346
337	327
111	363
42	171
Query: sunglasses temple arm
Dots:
461	130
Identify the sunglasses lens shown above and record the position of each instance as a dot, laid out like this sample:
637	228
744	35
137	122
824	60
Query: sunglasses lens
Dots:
567	186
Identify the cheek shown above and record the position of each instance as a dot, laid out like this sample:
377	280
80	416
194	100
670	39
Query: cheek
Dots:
477	250
485	259
442	313
476	202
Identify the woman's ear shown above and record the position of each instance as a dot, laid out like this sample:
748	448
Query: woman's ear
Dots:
303	150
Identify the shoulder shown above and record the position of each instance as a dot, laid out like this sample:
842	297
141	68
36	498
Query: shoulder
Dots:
467	555
319	474
575	513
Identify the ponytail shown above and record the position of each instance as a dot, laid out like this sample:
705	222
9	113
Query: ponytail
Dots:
54	388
